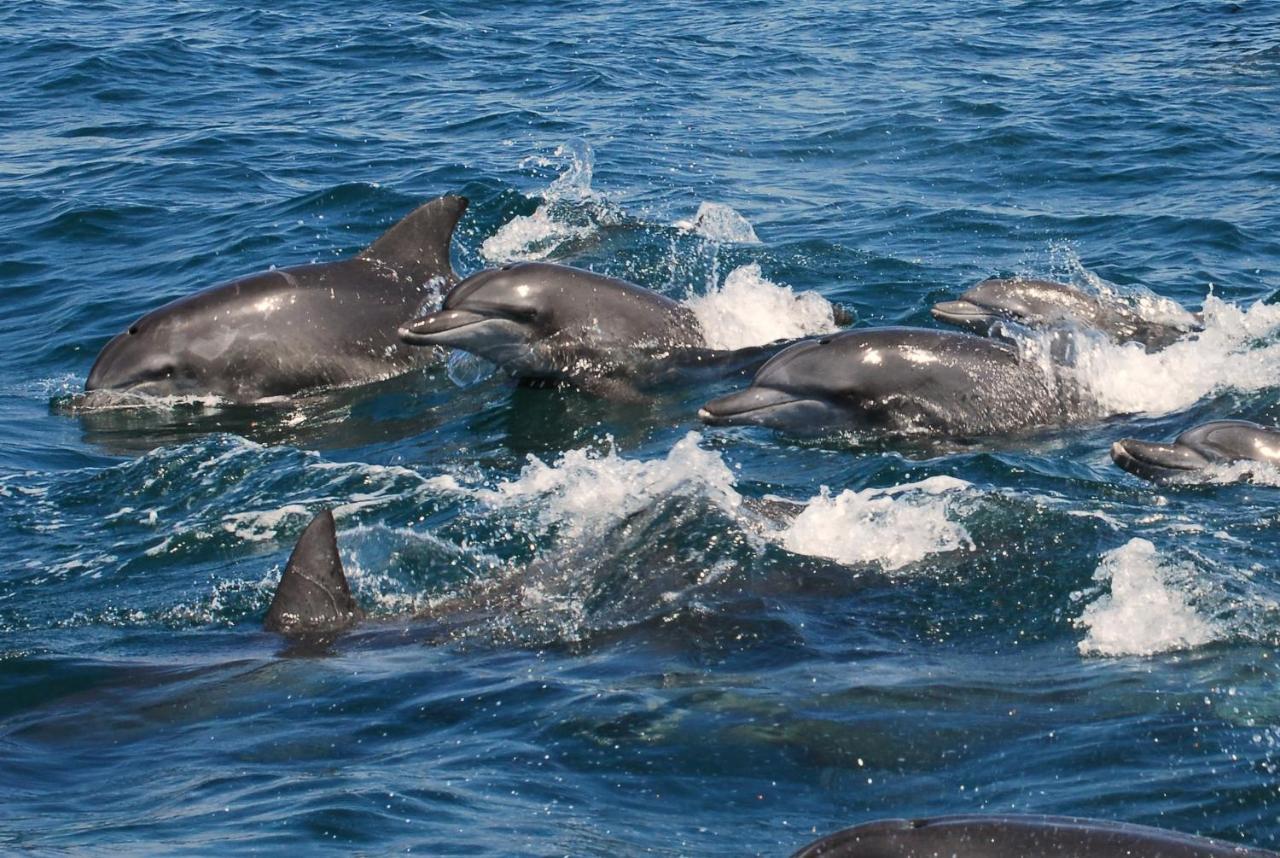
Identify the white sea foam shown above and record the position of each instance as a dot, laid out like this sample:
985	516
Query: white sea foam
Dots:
1236	350
262	526
569	211
893	526
720	223
1149	608
586	489
749	310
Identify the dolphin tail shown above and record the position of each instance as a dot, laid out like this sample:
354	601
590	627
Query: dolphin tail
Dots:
418	246
313	595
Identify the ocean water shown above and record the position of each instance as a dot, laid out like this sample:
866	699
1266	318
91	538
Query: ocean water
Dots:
712	641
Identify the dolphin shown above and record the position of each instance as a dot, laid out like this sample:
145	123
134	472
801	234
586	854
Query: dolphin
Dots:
1218	442
1044	304
313	596
542	322
289	330
1015	836
898	380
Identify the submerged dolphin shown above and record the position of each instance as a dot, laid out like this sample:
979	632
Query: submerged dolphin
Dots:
1018	837
1045	304
1218	442
293	329
544	322
898	379
313	596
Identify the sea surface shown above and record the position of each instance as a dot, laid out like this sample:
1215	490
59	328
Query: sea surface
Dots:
995	625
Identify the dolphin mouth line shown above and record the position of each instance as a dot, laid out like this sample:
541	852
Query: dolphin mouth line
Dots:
435	337
729	417
1157	462
958	309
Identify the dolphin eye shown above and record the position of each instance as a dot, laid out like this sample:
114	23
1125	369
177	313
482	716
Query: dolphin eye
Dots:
825	341
133	329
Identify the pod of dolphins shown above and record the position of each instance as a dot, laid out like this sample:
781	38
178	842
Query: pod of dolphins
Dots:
382	312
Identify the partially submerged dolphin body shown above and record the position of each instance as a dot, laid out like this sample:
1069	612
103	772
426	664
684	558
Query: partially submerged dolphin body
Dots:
289	330
899	380
1018	837
1218	442
542	322
1046	304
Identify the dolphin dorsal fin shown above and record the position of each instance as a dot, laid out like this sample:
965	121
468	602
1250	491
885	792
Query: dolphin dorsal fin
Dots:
418	246
313	595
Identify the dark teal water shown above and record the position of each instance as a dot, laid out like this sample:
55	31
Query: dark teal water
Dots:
1023	627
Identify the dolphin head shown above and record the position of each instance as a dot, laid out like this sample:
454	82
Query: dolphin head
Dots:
807	387
1217	442
495	314
1157	462
538	319
150	358
1027	302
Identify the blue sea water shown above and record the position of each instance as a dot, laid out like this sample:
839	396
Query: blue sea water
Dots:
1007	625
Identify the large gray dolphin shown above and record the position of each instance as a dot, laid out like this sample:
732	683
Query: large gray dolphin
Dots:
293	329
898	380
1218	442
544	322
1018	837
1045	304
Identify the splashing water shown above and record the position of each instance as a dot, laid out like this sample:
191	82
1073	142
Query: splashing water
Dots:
720	223
570	212
750	310
894	526
1232	352
1149	608
466	369
585	490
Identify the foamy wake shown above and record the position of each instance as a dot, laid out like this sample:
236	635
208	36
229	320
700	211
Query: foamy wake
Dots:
1236	350
586	489
585	492
748	310
894	526
570	211
1149	607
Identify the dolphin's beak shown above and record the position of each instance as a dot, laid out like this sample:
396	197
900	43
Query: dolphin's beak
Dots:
438	328
1157	462
963	313
754	405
